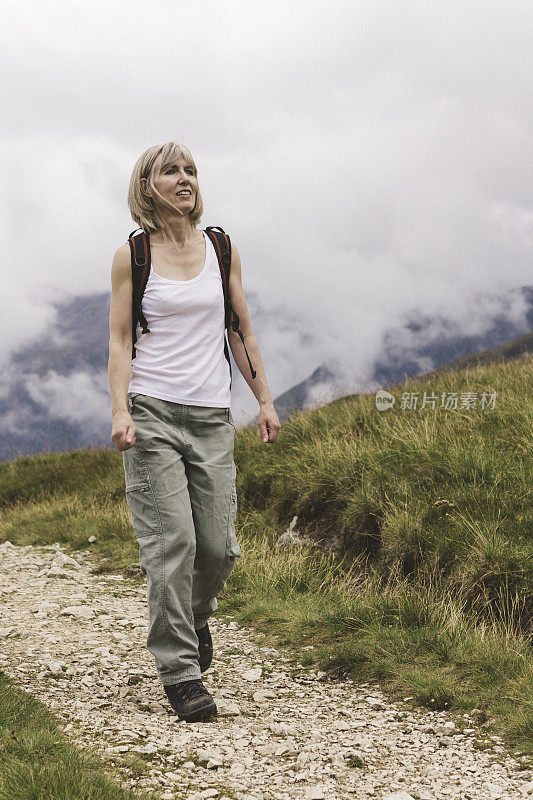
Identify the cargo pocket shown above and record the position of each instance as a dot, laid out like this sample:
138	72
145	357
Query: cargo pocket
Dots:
233	551
141	501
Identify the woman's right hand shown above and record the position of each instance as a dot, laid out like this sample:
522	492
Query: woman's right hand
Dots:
123	431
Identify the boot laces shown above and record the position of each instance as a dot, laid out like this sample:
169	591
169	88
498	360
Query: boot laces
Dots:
191	689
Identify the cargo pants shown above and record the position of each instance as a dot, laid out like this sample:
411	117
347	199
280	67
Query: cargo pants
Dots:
180	489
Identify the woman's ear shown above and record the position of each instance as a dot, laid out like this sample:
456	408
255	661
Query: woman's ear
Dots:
144	188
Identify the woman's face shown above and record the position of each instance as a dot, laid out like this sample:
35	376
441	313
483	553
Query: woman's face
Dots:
177	184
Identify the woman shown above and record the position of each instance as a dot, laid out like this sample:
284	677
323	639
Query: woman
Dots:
172	419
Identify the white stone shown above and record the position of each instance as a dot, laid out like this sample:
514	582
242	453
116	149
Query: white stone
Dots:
47	607
398	796
80	612
374	702
252	674
172	776
445	729
53	572
63	560
262	696
315	793
56	667
226	708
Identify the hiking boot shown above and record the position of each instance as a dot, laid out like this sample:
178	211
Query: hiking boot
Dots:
205	647
190	700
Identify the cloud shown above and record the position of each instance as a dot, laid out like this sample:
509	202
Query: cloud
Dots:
79	398
372	164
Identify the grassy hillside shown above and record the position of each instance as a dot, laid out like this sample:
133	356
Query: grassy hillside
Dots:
423	579
522	347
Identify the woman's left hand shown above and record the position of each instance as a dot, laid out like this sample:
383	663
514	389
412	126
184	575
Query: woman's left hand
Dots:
268	422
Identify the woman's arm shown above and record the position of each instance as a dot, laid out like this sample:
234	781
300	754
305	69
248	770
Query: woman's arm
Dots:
120	346
268	422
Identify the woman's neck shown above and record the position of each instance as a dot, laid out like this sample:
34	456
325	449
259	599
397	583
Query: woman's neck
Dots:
178	232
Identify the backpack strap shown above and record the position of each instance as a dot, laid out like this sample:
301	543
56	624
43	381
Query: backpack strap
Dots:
140	270
222	244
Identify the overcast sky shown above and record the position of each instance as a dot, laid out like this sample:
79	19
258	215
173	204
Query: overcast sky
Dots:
372	160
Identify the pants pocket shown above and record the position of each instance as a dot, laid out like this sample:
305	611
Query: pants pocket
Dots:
230	419
232	546
140	494
130	399
232	551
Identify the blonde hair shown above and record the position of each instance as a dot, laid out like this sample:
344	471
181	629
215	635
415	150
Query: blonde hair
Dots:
142	207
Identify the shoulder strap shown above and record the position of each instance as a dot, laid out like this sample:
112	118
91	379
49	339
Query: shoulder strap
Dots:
222	244
140	270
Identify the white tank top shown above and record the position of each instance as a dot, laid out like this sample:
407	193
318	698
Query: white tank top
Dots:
182	358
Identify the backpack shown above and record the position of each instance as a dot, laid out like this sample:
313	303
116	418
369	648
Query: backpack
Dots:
140	270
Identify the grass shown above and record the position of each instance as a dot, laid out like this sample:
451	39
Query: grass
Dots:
37	760
420	641
423	521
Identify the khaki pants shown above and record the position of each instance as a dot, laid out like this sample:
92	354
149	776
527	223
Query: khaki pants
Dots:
180	489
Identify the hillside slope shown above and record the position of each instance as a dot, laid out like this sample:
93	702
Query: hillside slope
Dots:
413	556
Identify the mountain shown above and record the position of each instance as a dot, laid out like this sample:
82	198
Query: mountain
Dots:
454	348
453	351
56	397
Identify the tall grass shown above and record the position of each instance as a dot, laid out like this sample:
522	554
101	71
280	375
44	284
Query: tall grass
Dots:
424	493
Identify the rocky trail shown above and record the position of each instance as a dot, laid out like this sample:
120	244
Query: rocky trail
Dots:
77	642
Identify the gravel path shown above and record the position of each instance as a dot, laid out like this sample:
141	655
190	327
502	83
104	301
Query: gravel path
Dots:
77	642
